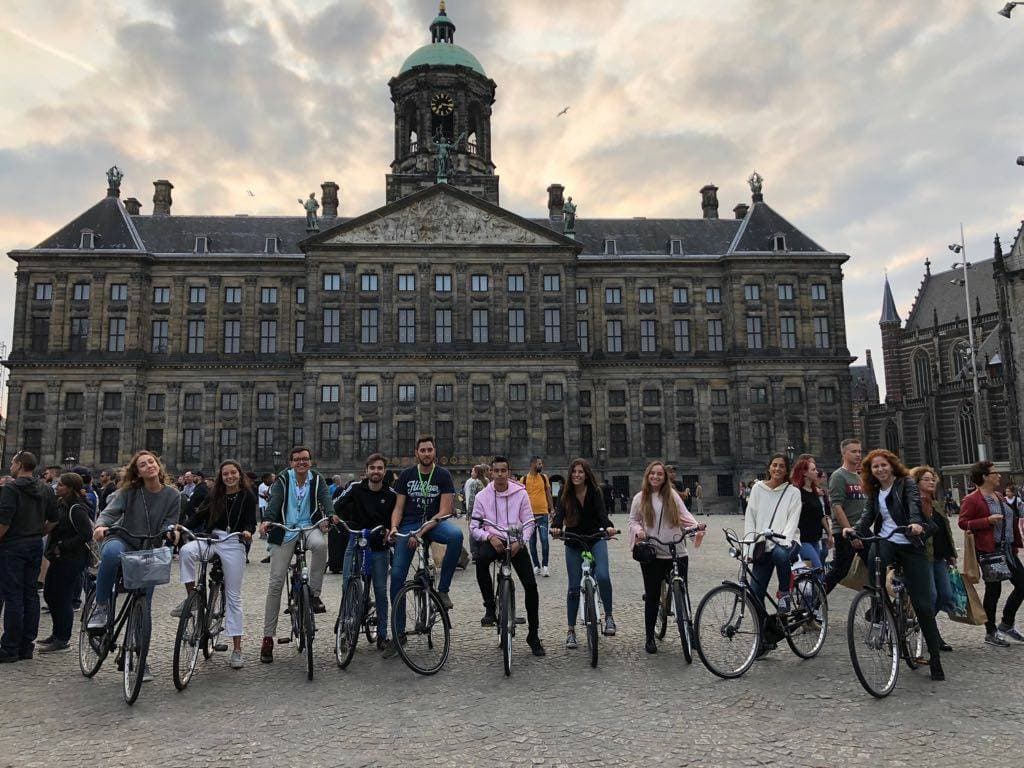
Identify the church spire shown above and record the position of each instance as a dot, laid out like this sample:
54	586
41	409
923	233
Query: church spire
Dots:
442	29
889	313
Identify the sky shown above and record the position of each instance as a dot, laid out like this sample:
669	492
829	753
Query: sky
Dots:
879	127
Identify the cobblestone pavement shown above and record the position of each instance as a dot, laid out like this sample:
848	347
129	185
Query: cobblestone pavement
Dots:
635	709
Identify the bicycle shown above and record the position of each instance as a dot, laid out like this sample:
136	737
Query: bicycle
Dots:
882	627
300	598
730	624
202	616
133	618
588	587
357	612
505	591
675	596
425	647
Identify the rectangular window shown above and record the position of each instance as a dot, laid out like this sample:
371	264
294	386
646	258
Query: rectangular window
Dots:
367	436
41	334
110	440
713	295
684	397
405	438
271	245
300	336
681	335
680	295
687	439
197	294
586	440
196	337
720	442
75	401
651	397
785	291
762	437
229	401
613	335
610	248
332	281
819	292
518	437
553	392
119	292
79	340
155	402
585	398
787	332
192	445
646	295
618	437
268	295
481	438
44	291
479	283
652	439
827	395
332	326
232	295
582	296
554	437
716	341
719	397
443	326
794	395
443	283
232	337
369	321
481	393
830	436
406	394
480	326
407	282
751	292
298	401
330	393
516	326
517	392
155	441
32	440
407	326
300	295
367	393
161	343
755	336
648	336
795	435
583	335
161	295
228	440
759	395
612	295
443	393
34	401
444	434
82	294
821	339
330	433
116	335
516	283
71	442
368	282
193	401
552	326
266	401
616	398
202	244
268	336
552	283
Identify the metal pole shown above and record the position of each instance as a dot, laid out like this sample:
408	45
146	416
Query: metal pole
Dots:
982	446
3	380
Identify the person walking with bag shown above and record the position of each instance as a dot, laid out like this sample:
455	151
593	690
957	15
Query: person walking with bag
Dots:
997	540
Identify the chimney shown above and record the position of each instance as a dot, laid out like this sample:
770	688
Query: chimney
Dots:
709	201
867	358
555	202
162	197
329	199
133	206
741	210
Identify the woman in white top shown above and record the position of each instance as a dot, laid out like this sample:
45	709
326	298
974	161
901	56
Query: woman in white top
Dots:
774	504
660	512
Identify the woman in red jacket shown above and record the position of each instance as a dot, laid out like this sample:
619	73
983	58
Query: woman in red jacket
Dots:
994	525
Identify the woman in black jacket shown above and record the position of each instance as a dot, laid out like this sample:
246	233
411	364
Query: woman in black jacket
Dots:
581	510
67	549
893	501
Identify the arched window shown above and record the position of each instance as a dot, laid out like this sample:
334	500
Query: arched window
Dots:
968	433
892	437
922	373
960	360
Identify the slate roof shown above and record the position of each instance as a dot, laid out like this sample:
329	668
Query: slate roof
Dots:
759	228
645	237
111	226
863	385
227	234
889	313
938	296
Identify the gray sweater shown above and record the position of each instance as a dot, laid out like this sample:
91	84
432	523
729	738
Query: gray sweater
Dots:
141	512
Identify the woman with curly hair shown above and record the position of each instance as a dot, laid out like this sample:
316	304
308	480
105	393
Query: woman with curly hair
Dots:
940	547
892	501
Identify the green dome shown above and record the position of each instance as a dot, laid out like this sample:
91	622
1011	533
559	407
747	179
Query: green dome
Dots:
442	54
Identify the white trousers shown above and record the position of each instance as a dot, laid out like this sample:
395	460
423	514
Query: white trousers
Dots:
232	558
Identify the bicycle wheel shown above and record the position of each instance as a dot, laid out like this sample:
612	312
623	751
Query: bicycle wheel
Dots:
683	621
346	629
136	647
421	629
590	619
913	639
214	618
92	646
871	636
807	621
308	627
187	641
505	623
664	603
727	629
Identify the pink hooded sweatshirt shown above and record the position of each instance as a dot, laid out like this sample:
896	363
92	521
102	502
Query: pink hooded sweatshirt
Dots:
509	509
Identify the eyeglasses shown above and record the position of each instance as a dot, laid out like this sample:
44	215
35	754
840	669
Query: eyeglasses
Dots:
301	461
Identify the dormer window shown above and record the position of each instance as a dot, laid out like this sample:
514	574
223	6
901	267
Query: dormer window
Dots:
779	242
272	244
202	244
610	247
88	240
675	247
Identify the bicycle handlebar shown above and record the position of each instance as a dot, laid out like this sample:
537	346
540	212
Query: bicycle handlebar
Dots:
419	530
300	529
342	524
509	533
898	530
686	534
200	537
588	539
131	535
764	535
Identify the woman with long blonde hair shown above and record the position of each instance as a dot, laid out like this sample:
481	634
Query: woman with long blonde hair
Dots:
658	511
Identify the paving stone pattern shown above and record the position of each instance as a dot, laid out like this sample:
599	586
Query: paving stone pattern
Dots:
634	709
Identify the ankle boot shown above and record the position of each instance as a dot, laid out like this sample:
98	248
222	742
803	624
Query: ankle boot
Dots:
935	665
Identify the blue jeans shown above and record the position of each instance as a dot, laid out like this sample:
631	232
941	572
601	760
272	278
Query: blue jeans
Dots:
19	569
63	584
379	572
106	574
442	533
942	591
601	574
540	531
779	560
812	552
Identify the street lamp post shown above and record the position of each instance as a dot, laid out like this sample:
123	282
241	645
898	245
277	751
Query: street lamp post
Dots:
961	250
601	453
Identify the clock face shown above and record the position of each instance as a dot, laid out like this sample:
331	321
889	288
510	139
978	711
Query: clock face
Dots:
442	104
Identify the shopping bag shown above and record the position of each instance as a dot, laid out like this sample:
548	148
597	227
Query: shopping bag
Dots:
959	590
972	571
975	610
857	576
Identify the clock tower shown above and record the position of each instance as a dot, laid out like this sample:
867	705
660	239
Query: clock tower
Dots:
442	96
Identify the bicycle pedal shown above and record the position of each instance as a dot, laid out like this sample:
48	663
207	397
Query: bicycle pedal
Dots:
283	640
220	647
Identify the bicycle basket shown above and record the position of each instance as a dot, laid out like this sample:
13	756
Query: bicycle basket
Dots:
146	568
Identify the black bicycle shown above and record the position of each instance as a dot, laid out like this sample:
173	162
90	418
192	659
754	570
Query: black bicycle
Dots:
675	595
882	627
730	625
202	616
357	612
424	646
133	618
300	597
588	587
505	591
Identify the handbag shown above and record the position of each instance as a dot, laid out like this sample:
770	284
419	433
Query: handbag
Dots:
144	568
644	551
959	592
995	566
760	550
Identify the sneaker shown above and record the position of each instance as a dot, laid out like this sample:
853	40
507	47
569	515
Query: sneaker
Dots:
1011	632
46	641
147	675
996	638
100	616
318	605
179	608
392	649
383	644
265	560
609	626
267	650
236	661
536	570
489	619
785	603
545	571
446	602
570	640
535	645
52	646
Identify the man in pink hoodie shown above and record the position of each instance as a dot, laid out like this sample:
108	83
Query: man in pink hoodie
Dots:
505	503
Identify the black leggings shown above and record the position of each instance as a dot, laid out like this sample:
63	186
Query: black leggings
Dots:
993	590
654	573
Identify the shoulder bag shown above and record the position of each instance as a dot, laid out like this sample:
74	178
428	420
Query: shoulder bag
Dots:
995	566
644	551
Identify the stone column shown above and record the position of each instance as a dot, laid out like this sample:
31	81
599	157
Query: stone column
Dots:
131	415
51	434
463	416
425	412
211	445
22	331
97	329
172	431
572	414
14	407
349	418
247	415
309	414
535	438
633	416
386	443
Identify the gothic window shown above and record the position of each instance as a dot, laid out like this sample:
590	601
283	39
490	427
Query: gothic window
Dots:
922	373
960	360
892	437
968	433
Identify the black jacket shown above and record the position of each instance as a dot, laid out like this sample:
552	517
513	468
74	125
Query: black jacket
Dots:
904	505
360	507
26	505
233	516
592	516
69	540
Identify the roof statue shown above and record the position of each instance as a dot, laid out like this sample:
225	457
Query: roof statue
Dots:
569	217
114	176
756	182
311	206
443	160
